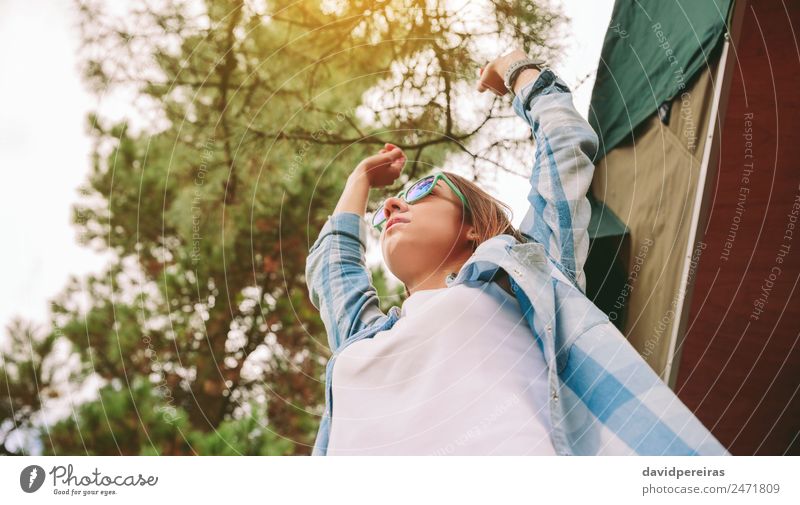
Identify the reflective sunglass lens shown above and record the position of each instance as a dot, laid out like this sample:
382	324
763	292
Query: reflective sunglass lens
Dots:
379	216
420	188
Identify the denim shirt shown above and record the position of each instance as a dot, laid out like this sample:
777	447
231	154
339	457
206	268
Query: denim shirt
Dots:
604	398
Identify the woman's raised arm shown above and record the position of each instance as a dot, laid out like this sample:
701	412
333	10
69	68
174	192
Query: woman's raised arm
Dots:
337	277
559	211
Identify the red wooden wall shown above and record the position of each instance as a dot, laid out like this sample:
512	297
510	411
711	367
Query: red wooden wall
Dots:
741	375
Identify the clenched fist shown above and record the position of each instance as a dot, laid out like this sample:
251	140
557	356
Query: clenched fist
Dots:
491	76
383	168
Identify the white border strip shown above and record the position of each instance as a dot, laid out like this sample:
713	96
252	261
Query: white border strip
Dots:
669	375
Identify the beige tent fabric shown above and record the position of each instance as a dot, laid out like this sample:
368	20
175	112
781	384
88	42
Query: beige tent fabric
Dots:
650	184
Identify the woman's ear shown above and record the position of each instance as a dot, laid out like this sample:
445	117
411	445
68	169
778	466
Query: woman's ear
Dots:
472	236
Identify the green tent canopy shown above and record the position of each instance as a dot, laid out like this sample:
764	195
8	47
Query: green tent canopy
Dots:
651	51
603	222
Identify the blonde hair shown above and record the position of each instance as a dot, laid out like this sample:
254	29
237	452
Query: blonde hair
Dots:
488	215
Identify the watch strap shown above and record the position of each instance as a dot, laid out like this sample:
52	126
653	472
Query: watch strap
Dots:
516	68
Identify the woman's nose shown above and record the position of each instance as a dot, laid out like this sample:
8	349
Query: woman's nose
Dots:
393	204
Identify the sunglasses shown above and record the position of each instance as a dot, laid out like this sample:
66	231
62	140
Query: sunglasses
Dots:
415	193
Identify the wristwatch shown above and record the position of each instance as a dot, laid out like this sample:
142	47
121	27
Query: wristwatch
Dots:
516	68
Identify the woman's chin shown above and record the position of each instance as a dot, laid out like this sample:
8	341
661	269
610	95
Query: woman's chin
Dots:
395	250
393	233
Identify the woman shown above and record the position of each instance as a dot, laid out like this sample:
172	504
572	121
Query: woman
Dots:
496	349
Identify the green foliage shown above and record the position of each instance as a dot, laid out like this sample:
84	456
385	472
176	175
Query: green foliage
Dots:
389	297
138	419
125	419
243	437
27	374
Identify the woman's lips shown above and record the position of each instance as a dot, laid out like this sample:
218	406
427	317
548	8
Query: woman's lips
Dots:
395	220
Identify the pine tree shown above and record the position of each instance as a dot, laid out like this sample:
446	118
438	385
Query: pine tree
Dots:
200	334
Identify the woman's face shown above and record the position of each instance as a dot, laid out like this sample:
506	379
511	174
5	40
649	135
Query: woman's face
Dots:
421	237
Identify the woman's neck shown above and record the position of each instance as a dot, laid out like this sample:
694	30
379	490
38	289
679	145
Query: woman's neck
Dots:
436	278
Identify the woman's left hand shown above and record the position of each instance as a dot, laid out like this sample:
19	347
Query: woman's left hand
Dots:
491	76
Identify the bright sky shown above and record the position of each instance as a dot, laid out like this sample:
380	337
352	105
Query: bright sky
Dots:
44	152
43	155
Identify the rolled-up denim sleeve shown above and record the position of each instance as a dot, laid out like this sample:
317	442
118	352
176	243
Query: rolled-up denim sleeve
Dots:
563	166
338	280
